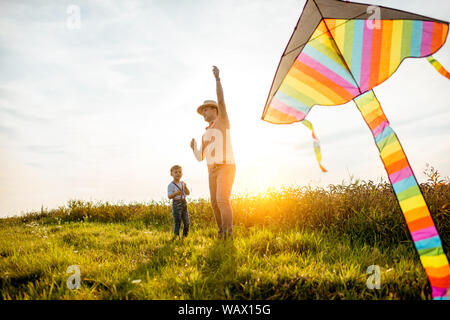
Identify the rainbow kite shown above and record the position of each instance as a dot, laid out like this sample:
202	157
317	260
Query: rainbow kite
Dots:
339	52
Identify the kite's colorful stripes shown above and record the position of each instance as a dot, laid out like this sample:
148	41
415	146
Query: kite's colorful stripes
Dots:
316	144
373	50
345	58
421	226
438	67
318	76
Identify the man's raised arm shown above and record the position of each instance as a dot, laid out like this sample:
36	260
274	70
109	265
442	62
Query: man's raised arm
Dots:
222	111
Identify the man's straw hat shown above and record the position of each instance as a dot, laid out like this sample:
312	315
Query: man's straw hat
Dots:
207	103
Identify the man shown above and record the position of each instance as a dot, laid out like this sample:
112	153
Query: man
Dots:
216	147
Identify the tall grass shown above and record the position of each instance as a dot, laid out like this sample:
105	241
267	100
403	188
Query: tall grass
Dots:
291	243
366	211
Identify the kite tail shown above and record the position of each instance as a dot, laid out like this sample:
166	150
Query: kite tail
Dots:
420	223
438	67
316	144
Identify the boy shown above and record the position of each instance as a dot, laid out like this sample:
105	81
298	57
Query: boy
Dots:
177	192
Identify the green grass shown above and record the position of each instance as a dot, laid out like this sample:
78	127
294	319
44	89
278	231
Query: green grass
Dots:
293	243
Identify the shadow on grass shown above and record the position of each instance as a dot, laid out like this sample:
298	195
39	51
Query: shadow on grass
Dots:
220	261
217	270
217	273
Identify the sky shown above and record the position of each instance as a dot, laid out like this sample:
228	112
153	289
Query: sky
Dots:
99	108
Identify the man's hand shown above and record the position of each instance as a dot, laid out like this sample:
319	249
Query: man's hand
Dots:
193	144
216	72
197	153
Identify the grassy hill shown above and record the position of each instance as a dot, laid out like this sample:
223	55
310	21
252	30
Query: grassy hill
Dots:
293	243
